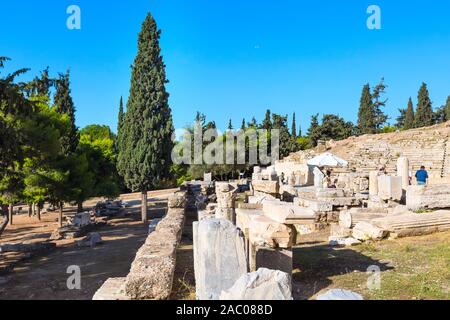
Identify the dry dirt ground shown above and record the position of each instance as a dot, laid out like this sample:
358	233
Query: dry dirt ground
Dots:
45	276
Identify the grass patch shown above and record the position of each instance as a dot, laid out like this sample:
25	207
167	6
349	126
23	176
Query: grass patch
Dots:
411	269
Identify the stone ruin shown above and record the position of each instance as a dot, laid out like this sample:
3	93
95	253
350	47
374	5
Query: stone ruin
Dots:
152	271
245	250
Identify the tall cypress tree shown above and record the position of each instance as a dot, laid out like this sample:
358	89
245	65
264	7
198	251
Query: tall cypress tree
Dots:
294	127
64	105
121	116
409	116
243	126
146	139
230	125
267	123
366	114
424	112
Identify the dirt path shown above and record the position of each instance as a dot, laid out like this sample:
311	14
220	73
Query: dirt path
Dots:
45	277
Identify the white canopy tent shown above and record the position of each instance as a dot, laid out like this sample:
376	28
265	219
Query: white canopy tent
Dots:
327	160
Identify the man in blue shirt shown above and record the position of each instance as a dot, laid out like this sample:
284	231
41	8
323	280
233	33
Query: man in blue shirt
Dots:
422	176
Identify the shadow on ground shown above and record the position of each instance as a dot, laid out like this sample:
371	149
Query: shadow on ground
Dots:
315	265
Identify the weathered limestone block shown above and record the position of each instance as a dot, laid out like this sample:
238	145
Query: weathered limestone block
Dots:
287	213
226	195
330	193
266	232
177	200
364	231
318	178
250	206
390	188
226	213
269	187
82	219
172	223
428	197
373	183
288	193
403	171
260	197
339	231
263	284
112	289
151	273
219	257
315	205
208	213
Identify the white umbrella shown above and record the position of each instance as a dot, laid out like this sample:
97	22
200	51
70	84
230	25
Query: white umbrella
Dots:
327	160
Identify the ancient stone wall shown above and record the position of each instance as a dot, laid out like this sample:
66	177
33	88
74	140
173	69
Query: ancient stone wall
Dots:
152	271
425	146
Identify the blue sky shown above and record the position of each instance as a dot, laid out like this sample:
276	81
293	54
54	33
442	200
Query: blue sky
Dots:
234	59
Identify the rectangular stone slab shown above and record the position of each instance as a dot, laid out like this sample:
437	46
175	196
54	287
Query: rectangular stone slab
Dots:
428	197
285	212
219	257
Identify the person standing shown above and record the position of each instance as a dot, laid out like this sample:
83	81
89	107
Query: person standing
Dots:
422	176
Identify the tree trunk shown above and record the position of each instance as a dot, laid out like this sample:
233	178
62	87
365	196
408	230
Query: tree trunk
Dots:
61	207
33	206
38	212
10	213
30	212
144	207
80	207
5	221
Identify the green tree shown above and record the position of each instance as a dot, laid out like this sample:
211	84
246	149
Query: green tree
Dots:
280	123
334	127
267	122
313	131
64	105
424	111
447	109
366	114
146	141
14	110
230	125
243	126
409	116
121	116
294	127
377	102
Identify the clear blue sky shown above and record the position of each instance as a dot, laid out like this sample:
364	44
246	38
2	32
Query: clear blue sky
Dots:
236	58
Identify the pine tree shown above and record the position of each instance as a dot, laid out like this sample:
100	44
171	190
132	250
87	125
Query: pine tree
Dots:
294	127
243	126
409	116
366	114
424	112
313	130
146	140
380	118
64	105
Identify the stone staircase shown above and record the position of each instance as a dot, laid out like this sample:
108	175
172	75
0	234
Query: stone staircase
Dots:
425	146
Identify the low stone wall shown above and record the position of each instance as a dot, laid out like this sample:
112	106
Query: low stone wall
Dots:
152	271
